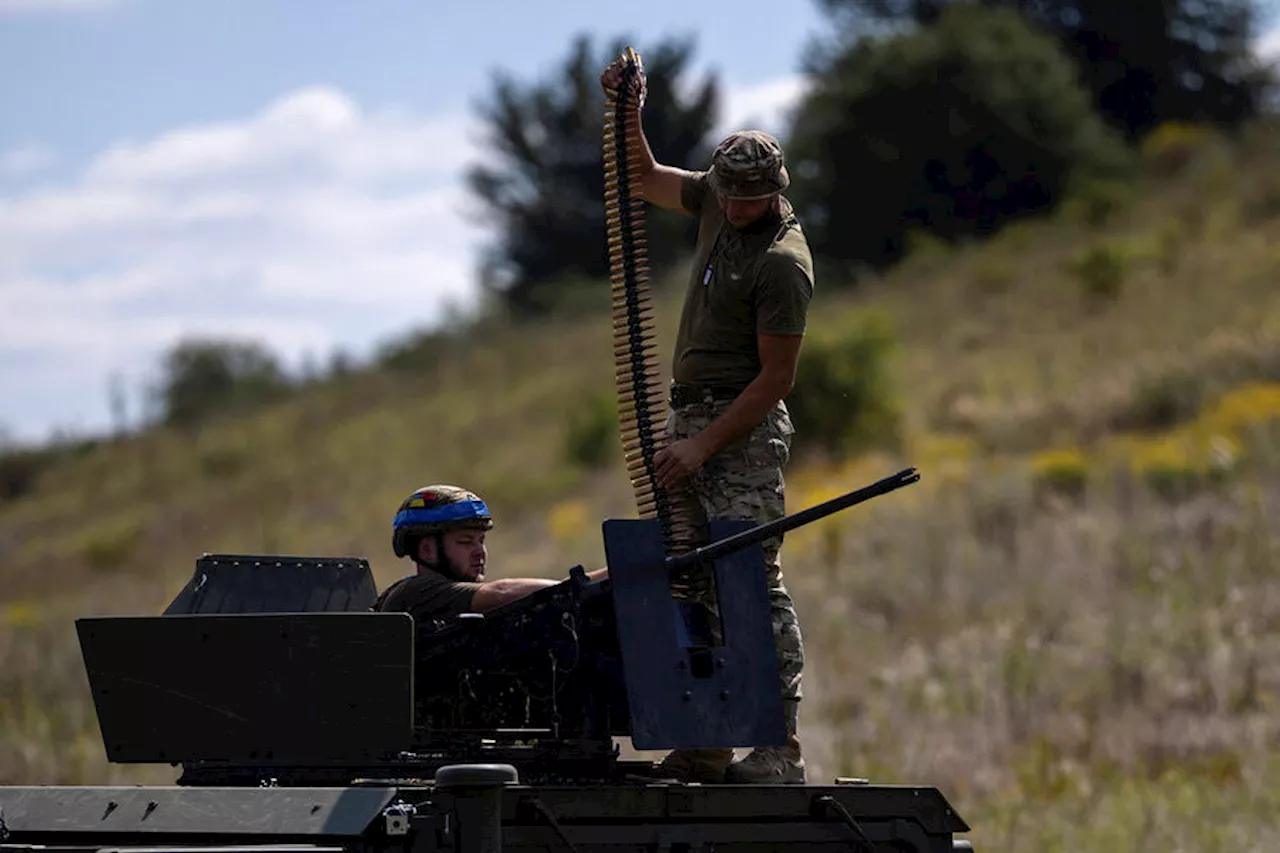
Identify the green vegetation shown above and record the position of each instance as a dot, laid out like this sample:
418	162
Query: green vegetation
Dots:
1013	109
844	401
209	379
998	128
543	185
1143	64
1067	625
592	430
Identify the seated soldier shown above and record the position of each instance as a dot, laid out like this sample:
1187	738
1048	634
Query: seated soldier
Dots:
442	528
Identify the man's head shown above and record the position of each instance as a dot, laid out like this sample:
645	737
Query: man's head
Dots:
747	175
443	528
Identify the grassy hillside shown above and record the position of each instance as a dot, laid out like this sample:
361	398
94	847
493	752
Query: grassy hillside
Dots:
1068	625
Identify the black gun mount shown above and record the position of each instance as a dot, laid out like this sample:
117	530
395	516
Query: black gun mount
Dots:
273	672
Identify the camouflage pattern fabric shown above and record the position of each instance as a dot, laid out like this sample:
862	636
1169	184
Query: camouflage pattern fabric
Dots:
748	165
744	481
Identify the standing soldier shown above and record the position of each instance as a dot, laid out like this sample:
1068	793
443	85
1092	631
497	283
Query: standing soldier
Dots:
735	356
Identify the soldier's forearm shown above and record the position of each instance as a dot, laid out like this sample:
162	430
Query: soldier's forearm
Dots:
748	409
499	592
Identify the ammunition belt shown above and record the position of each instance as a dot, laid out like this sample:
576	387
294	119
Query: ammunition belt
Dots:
636	368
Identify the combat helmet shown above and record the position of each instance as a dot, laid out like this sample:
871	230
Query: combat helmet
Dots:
435	510
748	165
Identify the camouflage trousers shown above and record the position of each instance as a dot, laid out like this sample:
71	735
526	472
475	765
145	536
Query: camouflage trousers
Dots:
744	481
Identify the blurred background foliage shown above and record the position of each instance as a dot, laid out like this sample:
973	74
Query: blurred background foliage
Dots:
1047	241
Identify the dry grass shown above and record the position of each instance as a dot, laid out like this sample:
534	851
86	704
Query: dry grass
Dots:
1068	625
1049	650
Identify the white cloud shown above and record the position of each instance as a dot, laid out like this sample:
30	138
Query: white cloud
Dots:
310	225
765	106
1267	45
312	131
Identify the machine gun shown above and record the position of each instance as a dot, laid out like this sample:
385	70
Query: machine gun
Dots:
300	717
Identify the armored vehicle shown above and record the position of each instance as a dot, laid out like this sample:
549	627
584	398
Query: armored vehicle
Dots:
304	722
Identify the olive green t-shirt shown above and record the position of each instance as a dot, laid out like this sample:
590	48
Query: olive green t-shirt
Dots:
428	595
757	280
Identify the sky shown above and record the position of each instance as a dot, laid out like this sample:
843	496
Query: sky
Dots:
285	171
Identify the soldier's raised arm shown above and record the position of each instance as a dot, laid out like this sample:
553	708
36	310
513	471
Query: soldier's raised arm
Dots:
660	184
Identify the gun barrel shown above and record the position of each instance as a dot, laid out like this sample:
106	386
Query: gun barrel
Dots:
746	538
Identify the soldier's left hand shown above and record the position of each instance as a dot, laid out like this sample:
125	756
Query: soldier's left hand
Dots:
677	461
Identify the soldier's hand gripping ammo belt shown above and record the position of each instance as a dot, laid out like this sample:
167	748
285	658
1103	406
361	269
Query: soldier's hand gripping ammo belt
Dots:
641	396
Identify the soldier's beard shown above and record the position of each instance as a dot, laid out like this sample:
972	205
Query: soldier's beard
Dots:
449	569
452	570
463	575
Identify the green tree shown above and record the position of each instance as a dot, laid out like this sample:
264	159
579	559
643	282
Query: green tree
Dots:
1143	61
544	186
204	378
955	129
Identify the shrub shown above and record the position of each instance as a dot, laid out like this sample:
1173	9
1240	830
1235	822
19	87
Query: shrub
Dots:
843	400
1100	271
1244	408
108	544
591	434
1162	400
418	352
1061	472
1096	202
204	379
19	472
1170	147
21	468
925	248
998	128
1245	420
1179	467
